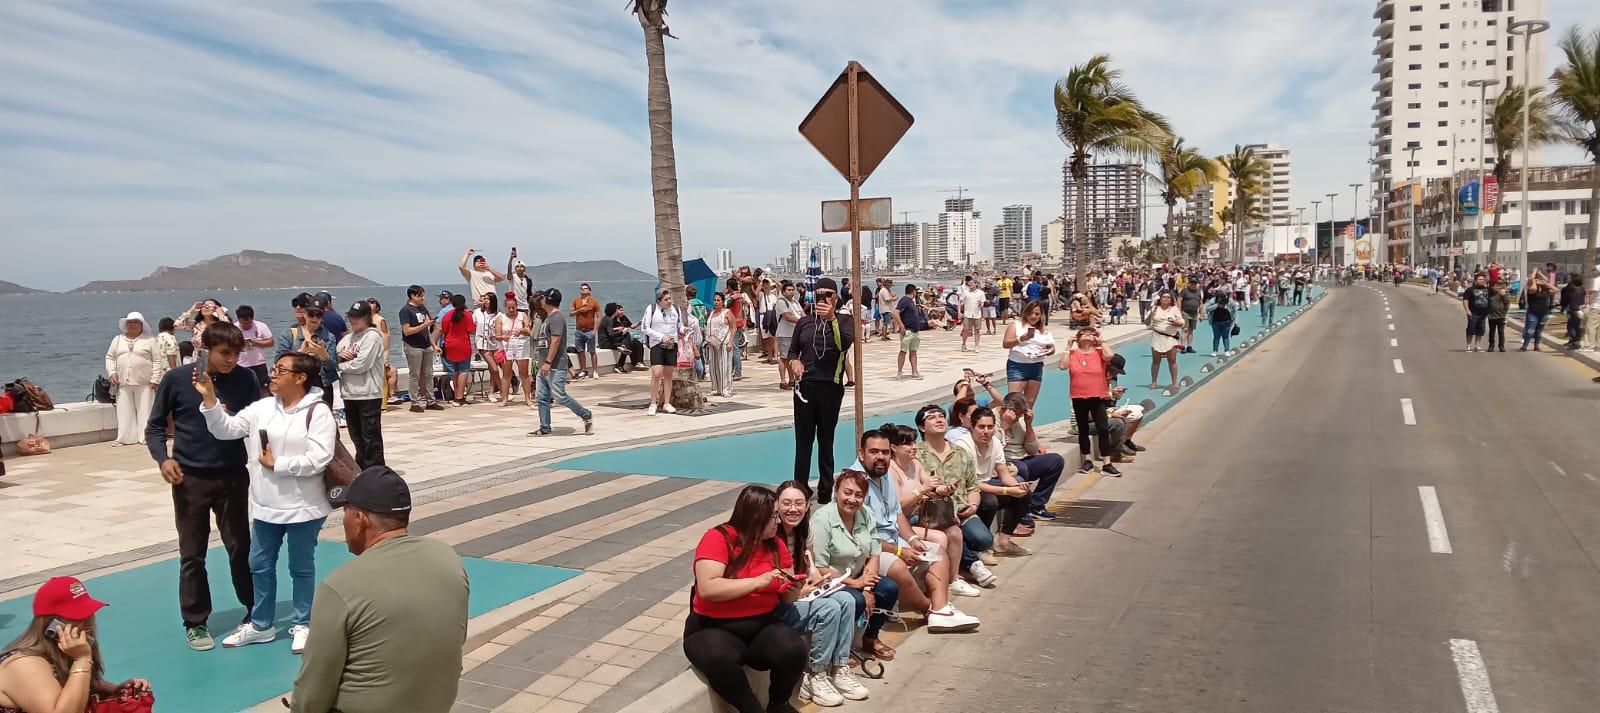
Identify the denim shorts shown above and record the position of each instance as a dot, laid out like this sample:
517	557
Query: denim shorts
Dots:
585	341
451	368
1016	371
1475	325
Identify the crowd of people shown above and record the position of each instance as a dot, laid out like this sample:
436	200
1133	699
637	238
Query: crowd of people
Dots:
1489	295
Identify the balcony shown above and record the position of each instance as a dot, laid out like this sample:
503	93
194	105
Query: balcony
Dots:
1382	103
1385	10
1383	46
1385	63
1385	81
1385	29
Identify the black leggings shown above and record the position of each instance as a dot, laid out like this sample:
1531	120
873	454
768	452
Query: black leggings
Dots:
1082	411
1497	332
721	649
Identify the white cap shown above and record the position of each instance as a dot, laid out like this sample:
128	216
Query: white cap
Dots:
133	317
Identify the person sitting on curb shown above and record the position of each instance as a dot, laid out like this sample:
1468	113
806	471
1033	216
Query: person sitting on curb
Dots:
55	666
951	471
827	620
842	544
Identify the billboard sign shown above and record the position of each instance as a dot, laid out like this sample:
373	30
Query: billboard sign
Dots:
1467	198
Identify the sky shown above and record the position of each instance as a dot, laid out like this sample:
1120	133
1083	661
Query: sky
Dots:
388	137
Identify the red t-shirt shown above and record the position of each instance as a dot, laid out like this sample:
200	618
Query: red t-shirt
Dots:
717	545
457	336
1088	374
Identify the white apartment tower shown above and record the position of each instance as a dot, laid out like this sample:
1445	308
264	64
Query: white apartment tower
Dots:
960	226
1275	189
1014	235
724	261
1114	199
1427	51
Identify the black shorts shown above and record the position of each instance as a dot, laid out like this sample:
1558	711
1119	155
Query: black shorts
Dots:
664	355
261	374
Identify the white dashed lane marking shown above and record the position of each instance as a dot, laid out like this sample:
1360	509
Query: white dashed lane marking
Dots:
1474	677
1409	413
1394	342
1438	536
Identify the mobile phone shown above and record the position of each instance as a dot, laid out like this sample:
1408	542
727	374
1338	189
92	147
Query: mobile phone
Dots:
262	435
791	576
54	631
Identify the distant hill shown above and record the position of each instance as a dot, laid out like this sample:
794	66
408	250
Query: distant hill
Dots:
583	270
12	288
246	270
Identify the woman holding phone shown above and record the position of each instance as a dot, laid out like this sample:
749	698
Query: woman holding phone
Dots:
828	620
511	328
740	577
1030	343
1090	390
289	441
1167	325
55	664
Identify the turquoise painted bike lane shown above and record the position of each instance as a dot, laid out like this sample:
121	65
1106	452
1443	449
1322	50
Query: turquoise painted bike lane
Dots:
768	456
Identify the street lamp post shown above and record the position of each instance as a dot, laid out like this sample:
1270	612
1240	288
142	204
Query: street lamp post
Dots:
1355	215
1412	198
1316	246
1525	29
1483	125
1331	236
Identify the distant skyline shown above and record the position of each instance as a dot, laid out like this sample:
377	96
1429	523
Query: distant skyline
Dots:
388	137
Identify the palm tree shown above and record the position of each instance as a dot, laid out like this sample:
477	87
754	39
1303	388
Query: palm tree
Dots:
1183	171
663	160
1248	172
1505	131
1200	235
1576	100
1096	113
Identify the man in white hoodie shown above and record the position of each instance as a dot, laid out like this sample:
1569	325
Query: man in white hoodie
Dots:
290	441
361	356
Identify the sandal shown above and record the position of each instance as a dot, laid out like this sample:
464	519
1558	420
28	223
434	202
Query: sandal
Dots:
879	650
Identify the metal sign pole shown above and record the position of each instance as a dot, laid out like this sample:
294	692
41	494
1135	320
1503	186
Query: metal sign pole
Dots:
855	244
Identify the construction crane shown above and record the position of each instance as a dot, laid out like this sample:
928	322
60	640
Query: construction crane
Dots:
905	215
960	191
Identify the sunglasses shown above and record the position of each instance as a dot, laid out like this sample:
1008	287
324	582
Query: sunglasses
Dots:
825	295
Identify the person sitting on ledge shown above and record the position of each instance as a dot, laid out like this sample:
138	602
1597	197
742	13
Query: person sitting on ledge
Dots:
55	665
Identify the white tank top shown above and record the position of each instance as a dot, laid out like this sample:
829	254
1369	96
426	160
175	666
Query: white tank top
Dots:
1032	351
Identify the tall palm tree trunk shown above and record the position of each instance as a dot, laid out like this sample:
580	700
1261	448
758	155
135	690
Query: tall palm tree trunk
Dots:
1494	238
663	160
1080	251
1172	205
1594	222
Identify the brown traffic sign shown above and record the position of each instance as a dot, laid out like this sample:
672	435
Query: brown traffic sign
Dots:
881	121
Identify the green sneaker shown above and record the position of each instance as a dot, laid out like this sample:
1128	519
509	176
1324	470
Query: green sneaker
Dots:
199	638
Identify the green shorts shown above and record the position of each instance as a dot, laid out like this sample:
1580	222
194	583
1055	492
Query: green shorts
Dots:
910	341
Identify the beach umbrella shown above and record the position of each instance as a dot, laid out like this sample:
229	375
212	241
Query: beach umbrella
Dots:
813	271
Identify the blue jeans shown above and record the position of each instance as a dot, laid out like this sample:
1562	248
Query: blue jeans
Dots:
887	593
1046	470
738	352
830	622
552	388
1268	309
1221	332
976	538
265	539
1533	328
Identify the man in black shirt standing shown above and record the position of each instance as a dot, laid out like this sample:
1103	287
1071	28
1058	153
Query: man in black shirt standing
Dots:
816	358
207	476
1475	300
416	329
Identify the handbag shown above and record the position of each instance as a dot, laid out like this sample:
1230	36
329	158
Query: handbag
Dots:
343	468
34	444
103	392
1234	332
936	513
123	702
685	357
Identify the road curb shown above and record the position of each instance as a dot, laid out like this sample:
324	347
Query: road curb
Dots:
1589	359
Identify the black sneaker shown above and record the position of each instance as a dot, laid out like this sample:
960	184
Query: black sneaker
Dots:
1042	514
1136	447
1110	470
416	408
435	406
539	433
1087	467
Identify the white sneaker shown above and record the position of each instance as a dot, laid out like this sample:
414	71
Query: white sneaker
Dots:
669	408
950	620
982	575
847	685
816	687
298	634
652	410
248	634
960	588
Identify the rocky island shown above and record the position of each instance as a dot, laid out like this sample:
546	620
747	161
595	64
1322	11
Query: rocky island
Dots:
245	270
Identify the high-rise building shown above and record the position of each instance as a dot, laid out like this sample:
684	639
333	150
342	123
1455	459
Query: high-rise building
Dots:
1275	201
904	246
1208	202
935	249
1051	237
960	226
799	255
1426	54
1014	235
825	256
724	261
1114	195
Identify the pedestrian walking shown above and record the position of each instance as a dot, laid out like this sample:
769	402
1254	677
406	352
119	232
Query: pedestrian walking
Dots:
816	362
551	351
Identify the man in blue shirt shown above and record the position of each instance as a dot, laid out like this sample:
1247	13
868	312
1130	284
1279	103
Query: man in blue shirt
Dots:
312	336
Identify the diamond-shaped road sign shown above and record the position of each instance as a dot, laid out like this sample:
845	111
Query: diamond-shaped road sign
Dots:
880	122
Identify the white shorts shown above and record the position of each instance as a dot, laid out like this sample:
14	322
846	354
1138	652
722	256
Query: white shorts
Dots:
516	348
988	313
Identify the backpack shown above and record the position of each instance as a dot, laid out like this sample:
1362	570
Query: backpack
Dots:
27	398
343	468
102	392
769	321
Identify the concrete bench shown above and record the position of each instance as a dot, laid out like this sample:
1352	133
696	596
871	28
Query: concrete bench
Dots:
70	424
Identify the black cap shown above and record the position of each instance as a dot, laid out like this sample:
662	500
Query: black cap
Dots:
446	294
376	489
826	283
552	295
361	309
325	296
1118	364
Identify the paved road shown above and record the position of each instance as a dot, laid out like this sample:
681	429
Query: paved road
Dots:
1278	555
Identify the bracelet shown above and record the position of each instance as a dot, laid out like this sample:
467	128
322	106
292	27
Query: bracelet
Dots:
897	550
79	670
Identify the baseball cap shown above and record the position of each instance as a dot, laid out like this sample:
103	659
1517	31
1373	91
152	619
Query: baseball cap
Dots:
827	283
361	309
552	295
480	257
446	294
377	489
65	597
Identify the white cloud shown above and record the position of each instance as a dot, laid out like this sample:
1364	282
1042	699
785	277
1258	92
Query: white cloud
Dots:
386	138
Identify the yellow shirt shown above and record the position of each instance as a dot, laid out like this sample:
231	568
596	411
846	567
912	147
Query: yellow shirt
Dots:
1004	284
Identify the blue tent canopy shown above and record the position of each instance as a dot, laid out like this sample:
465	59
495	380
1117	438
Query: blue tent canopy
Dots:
696	272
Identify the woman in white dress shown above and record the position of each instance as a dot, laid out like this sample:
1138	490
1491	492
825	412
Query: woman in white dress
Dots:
135	366
1166	327
484	340
511	328
719	346
1030	343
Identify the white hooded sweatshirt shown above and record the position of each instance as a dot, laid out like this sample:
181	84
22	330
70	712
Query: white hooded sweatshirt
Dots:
292	491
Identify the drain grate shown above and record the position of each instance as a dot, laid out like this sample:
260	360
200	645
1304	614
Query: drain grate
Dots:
1092	514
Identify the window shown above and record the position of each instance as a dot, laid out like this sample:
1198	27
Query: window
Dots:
1418	125
1490	23
1571	206
1444	105
1444	45
1577	231
1414	105
1442	85
1578	207
1488	63
1441	162
1413	67
1413	164
1489	161
1491	43
1414	86
1414	48
1416	8
1444	142
1511	42
1545	205
1413	145
1443	122
1415	28
1444	6
1444	25
1491	5
1511	63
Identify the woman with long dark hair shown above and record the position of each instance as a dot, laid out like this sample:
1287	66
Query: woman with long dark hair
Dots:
455	336
484	341
1166	324
741	574
55	664
1030	343
1221	319
828	620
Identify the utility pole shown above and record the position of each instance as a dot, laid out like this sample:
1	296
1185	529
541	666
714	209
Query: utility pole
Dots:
1451	190
1483	125
1412	199
1526	29
1331	232
1316	247
1355	215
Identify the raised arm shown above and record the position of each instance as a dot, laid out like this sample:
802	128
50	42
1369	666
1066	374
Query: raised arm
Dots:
465	272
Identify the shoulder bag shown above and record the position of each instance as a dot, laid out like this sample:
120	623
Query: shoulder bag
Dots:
343	468
936	512
34	444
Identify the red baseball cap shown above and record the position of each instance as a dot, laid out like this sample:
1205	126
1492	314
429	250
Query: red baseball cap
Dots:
65	597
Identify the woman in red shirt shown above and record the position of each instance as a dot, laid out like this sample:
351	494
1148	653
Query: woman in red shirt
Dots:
740	576
1090	389
455	333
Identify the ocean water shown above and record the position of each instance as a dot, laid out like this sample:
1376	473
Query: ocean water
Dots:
59	341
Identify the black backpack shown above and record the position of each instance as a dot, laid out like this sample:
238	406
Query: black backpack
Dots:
102	393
